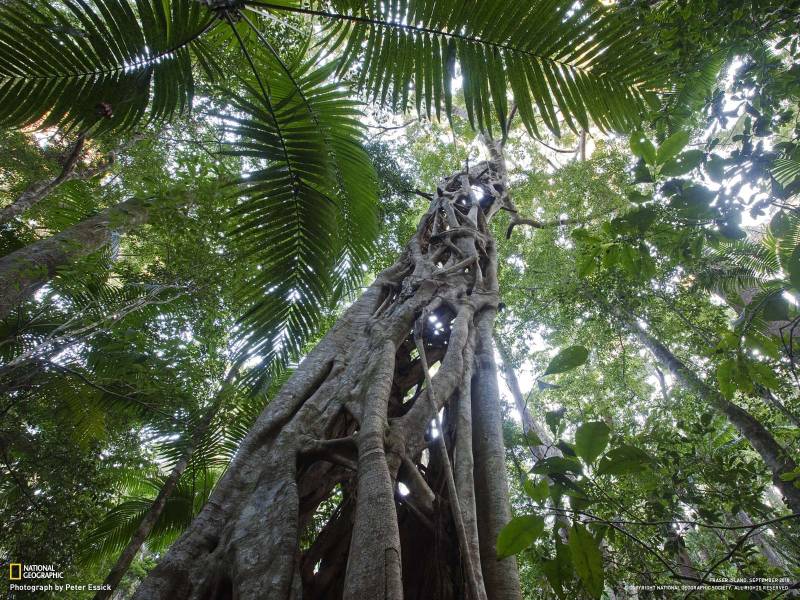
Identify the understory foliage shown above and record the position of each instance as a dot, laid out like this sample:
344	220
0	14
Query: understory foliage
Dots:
194	193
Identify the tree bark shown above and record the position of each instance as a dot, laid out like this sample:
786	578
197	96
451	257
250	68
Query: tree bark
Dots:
754	432
358	416
29	268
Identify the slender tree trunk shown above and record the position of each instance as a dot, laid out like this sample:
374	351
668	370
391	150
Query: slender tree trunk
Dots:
38	191
754	432
356	417
29	268
686	568
153	514
760	538
529	424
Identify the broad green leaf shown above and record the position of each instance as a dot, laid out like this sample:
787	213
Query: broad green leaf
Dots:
591	439
553	419
558	570
776	308
671	146
641	174
643	148
518	534
791	476
566	360
638	197
531	439
537	491
557	464
623	459
715	167
682	164
566	448
587	559
732	231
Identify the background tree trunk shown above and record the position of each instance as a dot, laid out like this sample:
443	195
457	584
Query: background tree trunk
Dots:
754	432
29	268
360	415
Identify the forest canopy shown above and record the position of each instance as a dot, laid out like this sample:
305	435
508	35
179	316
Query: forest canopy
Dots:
404	299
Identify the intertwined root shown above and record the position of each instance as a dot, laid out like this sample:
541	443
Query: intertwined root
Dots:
358	481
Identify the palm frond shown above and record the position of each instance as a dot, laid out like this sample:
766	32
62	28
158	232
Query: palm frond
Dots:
108	63
581	63
116	529
308	204
786	171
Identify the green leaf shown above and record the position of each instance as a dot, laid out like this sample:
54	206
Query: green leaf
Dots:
558	570
643	148
518	534
793	267
104	64
566	360
776	308
557	464
671	146
680	165
623	459
553	418
780	224
641	174
763	374
638	197
588	65
531	439
786	171
591	439
791	476
538	492
308	213
587	559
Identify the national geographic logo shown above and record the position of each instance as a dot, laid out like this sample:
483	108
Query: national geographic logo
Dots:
18	572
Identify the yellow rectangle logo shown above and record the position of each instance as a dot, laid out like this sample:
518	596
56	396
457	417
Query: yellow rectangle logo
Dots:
15	571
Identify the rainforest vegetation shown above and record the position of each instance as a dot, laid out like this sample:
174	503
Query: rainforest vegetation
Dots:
422	299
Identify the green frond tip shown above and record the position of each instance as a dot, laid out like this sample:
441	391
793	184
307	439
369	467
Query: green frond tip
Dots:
108	64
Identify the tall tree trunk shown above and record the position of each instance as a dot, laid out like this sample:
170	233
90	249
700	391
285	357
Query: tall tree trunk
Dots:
753	431
357	416
531	425
29	268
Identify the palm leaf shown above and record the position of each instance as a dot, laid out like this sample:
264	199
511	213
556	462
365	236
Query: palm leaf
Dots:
786	171
581	64
738	265
108	63
308	212
116	529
